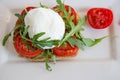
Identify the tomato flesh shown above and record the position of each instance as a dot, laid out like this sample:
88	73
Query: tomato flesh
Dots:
23	50
73	12
99	18
65	51
20	47
26	10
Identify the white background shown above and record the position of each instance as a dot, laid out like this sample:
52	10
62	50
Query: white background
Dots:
101	62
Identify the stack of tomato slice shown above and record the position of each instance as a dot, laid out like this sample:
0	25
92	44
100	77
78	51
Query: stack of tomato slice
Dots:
61	51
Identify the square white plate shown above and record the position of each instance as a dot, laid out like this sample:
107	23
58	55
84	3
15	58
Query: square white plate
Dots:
100	62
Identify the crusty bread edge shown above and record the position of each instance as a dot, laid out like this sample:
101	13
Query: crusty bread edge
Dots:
58	58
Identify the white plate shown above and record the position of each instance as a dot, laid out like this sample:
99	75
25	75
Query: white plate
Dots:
100	62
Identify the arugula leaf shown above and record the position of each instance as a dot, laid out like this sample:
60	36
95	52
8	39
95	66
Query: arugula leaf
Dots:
9	34
40	43
49	43
25	31
43	6
25	41
5	38
89	42
40	55
46	63
35	37
20	17
76	42
52	56
66	14
74	30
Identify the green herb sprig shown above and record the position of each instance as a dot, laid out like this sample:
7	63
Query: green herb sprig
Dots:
74	30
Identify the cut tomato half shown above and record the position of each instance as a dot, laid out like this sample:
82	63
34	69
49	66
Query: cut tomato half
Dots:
99	18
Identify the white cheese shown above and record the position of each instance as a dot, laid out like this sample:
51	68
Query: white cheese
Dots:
45	20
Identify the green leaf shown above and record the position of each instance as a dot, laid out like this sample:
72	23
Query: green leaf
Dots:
52	56
28	45
37	45
76	42
49	43
59	2
46	39
20	17
35	37
74	30
46	63
98	40
5	39
21	26
43	6
25	31
40	55
24	40
89	42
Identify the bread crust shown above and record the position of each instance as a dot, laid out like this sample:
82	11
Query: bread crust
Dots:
42	59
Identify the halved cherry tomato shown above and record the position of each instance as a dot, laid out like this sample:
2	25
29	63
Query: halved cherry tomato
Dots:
73	12
99	18
23	50
65	51
20	47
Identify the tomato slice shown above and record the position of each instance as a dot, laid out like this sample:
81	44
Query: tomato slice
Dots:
65	51
99	18
68	50
23	13
23	50
20	47
73	12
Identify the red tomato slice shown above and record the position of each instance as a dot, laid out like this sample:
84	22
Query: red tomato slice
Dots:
26	10
99	18
20	47
73	12
68	50
23	50
65	51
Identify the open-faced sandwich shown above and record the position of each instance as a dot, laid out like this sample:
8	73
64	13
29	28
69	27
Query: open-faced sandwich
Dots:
43	33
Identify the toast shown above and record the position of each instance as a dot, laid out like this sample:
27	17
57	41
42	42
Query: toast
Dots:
41	59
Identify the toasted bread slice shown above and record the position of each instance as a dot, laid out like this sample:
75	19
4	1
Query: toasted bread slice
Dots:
43	58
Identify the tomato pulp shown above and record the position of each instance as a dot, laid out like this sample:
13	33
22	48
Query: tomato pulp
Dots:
67	50
64	51
20	47
23	50
99	18
67	7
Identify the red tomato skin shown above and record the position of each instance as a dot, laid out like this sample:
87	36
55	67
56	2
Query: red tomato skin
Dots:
65	51
23	50
73	12
99	18
61	51
27	9
20	47
68	50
